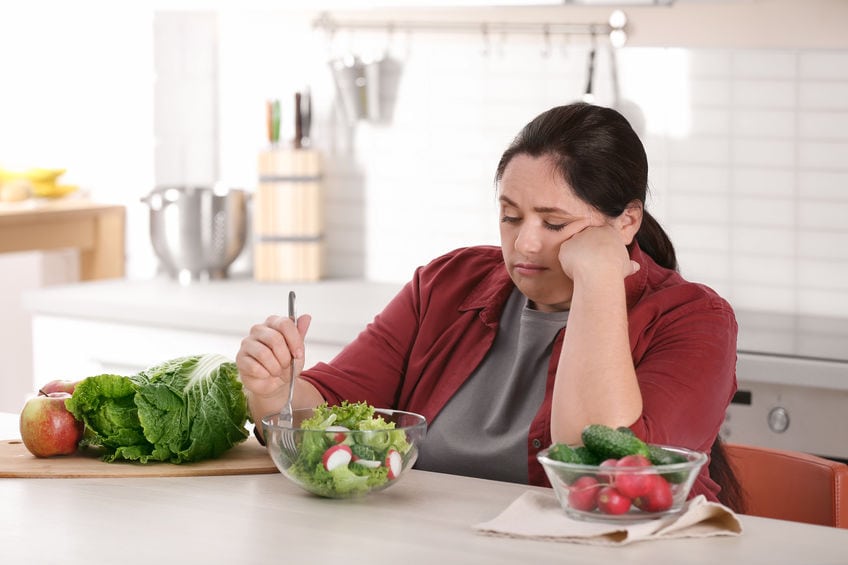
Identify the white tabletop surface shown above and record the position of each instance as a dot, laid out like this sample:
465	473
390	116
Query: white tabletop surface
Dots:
426	518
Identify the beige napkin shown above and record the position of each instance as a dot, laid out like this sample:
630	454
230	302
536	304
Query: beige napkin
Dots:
538	515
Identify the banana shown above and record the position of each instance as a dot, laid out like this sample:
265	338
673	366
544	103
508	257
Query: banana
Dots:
41	182
51	189
34	175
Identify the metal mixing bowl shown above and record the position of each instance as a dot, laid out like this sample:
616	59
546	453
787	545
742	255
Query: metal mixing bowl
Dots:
197	232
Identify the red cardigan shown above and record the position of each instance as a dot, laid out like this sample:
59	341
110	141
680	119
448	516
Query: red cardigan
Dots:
429	339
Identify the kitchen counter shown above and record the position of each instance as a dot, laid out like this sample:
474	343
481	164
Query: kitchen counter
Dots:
96	230
768	343
123	326
792	372
340	308
264	519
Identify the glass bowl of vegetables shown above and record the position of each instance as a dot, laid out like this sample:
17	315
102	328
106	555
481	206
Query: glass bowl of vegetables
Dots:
345	451
614	476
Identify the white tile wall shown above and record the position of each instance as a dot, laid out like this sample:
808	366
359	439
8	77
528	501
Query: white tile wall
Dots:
778	182
748	149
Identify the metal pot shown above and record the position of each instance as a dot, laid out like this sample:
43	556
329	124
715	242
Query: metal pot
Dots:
197	232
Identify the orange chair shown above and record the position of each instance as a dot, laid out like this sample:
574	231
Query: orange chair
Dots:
790	485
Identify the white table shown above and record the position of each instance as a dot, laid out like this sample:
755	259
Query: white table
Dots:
248	519
240	520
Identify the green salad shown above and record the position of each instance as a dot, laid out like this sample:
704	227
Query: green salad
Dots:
334	462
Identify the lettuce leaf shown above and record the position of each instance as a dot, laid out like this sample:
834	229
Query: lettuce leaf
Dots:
347	414
185	409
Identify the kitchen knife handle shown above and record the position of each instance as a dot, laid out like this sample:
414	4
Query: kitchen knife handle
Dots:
298	123
275	135
269	119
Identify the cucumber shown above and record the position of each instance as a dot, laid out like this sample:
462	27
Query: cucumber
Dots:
660	456
608	443
567	454
587	456
564	453
625	430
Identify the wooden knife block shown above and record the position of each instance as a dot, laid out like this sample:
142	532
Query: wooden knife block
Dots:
289	216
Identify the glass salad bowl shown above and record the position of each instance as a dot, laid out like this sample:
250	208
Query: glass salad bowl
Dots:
628	489
345	451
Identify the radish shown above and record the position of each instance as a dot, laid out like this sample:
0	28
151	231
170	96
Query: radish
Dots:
658	498
370	463
635	460
631	482
394	463
583	493
336	456
610	501
607	478
337	433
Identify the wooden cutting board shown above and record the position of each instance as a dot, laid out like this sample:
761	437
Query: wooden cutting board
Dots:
247	458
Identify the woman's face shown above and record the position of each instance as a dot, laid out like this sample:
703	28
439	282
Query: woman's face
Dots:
535	206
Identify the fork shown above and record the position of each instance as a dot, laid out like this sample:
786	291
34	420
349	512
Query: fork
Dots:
286	415
283	437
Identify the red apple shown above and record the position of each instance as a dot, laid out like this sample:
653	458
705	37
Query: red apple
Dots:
58	386
48	428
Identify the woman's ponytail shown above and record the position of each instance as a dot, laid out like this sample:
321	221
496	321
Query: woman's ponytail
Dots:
655	242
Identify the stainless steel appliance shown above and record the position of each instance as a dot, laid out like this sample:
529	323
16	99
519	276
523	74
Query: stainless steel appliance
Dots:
793	384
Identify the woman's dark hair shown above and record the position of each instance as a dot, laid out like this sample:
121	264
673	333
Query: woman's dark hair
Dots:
601	157
721	471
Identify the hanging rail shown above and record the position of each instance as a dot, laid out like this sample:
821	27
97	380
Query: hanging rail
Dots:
615	27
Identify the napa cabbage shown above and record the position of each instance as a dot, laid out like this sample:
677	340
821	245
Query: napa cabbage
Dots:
183	410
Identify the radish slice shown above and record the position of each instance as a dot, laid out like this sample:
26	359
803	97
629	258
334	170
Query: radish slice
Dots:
394	463
337	433
336	456
370	463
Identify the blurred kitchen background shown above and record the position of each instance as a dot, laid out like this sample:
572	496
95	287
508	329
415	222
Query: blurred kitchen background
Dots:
742	106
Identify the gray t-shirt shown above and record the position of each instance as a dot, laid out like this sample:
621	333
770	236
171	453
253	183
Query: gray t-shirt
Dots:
482	430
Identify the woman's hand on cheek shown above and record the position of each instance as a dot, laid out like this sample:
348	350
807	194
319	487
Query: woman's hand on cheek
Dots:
594	249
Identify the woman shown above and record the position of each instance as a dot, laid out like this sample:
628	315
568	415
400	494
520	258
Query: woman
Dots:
579	317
